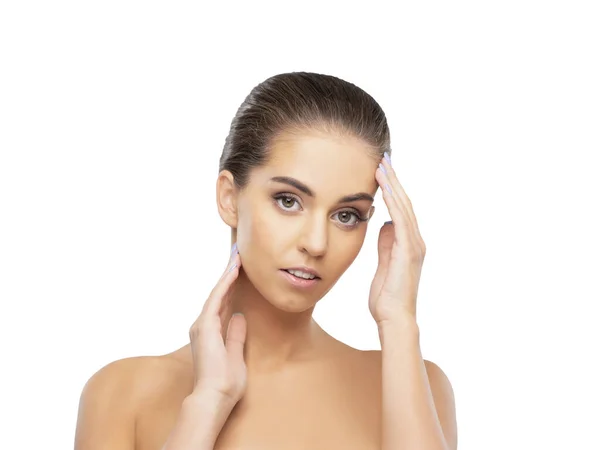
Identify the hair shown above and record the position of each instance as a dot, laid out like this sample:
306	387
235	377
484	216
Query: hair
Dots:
299	101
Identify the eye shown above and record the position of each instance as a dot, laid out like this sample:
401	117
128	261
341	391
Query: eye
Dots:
347	216
286	202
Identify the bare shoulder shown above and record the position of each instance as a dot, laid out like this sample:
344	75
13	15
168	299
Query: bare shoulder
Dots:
439	382
133	377
443	397
107	408
436	374
441	390
112	397
441	387
437	377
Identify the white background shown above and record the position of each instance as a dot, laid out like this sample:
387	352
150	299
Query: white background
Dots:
113	116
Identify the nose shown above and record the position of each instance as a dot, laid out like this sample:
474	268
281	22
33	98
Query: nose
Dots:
313	239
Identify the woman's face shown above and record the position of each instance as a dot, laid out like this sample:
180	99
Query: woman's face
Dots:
280	226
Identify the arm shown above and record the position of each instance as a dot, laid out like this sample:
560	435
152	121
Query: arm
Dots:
418	402
200	421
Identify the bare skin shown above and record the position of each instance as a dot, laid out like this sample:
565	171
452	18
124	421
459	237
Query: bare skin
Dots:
330	402
305	388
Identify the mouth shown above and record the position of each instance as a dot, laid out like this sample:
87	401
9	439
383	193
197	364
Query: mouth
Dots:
297	281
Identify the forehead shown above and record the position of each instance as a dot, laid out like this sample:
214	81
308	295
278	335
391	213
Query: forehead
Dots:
323	160
315	145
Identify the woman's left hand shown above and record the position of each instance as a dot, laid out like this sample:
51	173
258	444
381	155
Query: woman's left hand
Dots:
401	250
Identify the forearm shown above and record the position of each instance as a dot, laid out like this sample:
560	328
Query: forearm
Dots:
409	417
200	421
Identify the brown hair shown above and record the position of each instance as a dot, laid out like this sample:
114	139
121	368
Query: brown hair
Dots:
299	101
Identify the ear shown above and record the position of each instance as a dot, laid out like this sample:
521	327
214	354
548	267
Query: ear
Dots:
227	198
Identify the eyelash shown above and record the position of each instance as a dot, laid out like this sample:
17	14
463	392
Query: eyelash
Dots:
286	195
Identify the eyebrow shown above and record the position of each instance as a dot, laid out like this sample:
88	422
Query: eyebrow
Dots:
308	191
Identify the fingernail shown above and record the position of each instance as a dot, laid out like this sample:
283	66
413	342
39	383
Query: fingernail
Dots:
233	249
232	267
382	168
389	189
388	222
387	158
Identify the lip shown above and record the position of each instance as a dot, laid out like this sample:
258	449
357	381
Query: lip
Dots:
305	270
298	282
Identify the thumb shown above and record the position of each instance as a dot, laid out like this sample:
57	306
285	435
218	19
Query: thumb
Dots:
384	243
236	336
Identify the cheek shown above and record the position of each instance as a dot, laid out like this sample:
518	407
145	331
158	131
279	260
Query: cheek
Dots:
258	238
261	235
264	235
346	251
351	250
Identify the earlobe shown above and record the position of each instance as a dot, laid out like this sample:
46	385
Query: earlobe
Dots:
227	198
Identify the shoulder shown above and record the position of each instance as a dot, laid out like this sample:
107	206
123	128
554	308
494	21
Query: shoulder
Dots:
435	373
132	379
439	382
111	386
107	407
441	390
112	396
438	379
443	396
122	376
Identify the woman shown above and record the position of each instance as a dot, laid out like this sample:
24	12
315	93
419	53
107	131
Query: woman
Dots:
302	162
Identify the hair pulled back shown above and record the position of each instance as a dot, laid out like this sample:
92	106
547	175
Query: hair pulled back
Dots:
298	101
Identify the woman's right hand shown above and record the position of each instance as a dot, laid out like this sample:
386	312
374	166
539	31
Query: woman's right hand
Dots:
217	346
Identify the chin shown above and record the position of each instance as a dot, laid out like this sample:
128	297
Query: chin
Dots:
282	295
289	301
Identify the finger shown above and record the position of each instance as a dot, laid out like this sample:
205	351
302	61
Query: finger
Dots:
383	180
401	196
402	225
384	246
236	337
234	252
214	301
228	267
397	189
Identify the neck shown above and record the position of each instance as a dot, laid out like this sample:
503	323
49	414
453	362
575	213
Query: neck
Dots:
274	338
